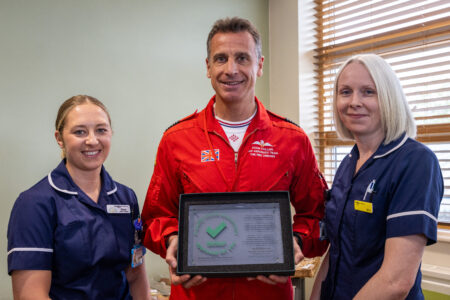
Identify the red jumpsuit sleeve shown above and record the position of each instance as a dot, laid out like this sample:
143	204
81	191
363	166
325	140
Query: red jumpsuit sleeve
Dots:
307	197
160	211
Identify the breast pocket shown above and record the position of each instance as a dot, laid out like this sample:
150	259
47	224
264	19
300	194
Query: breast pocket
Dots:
370	228
124	233
282	182
189	185
71	250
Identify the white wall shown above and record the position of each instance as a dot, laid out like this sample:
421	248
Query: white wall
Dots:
145	59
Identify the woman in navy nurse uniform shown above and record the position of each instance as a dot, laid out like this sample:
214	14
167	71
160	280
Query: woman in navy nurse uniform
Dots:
71	235
385	197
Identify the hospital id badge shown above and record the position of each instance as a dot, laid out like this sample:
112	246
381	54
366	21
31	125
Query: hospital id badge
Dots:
364	206
137	255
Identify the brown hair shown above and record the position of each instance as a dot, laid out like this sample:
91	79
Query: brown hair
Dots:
235	25
72	102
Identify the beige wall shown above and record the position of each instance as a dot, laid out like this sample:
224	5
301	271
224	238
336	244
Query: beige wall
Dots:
291	37
145	59
284	58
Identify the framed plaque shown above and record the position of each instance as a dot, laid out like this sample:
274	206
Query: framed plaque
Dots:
235	234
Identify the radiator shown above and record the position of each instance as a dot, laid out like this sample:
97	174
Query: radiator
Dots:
436	278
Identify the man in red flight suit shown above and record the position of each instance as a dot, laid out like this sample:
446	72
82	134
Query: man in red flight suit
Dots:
234	144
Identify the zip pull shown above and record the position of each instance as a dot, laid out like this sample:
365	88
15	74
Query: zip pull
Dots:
186	177
205	131
235	157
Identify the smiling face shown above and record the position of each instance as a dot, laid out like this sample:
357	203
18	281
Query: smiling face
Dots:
357	102
233	66
85	138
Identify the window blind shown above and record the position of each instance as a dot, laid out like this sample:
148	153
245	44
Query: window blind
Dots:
414	38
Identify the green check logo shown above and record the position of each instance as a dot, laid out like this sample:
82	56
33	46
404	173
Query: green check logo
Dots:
215	232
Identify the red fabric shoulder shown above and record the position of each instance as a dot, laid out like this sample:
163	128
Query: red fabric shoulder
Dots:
282	121
191	116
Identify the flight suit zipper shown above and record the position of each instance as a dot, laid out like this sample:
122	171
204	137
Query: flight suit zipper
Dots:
236	158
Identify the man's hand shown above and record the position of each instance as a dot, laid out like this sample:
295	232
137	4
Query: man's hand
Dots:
298	254
275	279
171	260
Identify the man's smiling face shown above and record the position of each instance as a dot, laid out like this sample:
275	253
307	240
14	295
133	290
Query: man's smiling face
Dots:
233	66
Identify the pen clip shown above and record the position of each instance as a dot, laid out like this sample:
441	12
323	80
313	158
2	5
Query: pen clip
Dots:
369	189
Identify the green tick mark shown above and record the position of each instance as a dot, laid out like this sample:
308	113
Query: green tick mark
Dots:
215	232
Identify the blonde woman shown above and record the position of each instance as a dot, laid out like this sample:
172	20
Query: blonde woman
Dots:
386	193
72	234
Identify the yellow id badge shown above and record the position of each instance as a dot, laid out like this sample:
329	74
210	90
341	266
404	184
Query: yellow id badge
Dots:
364	206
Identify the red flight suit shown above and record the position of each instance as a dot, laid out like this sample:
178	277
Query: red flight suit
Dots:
275	155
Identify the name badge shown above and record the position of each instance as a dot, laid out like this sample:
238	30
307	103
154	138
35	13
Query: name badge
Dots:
364	206
118	208
137	255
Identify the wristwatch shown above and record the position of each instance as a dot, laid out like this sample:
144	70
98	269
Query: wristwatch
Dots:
299	239
166	238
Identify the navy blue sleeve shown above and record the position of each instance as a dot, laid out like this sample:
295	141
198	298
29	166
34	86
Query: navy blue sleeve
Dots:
30	233
416	195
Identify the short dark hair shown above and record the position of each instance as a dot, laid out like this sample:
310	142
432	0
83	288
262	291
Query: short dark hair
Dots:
235	25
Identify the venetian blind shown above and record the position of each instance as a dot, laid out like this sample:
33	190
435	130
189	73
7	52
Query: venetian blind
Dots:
414	37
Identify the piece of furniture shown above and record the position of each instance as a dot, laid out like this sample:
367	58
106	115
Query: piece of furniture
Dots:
306	268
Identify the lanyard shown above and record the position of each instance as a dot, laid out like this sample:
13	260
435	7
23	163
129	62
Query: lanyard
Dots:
138	251
205	130
137	224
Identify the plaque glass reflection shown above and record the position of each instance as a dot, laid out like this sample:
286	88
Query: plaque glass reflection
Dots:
235	234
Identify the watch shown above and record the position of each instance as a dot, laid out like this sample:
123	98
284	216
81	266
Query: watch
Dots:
299	239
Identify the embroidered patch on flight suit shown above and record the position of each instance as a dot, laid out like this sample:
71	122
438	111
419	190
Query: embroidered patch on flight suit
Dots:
263	149
206	155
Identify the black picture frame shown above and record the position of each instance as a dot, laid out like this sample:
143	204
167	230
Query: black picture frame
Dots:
248	199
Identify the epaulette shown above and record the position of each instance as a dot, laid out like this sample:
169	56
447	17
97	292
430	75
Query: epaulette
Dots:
292	122
182	120
283	118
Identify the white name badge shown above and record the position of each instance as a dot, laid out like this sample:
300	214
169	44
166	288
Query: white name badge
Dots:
118	208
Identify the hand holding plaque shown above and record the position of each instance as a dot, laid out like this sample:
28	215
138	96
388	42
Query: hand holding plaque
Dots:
235	234
171	260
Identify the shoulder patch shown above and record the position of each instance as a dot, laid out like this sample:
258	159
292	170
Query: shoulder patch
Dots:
182	120
292	122
283	119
